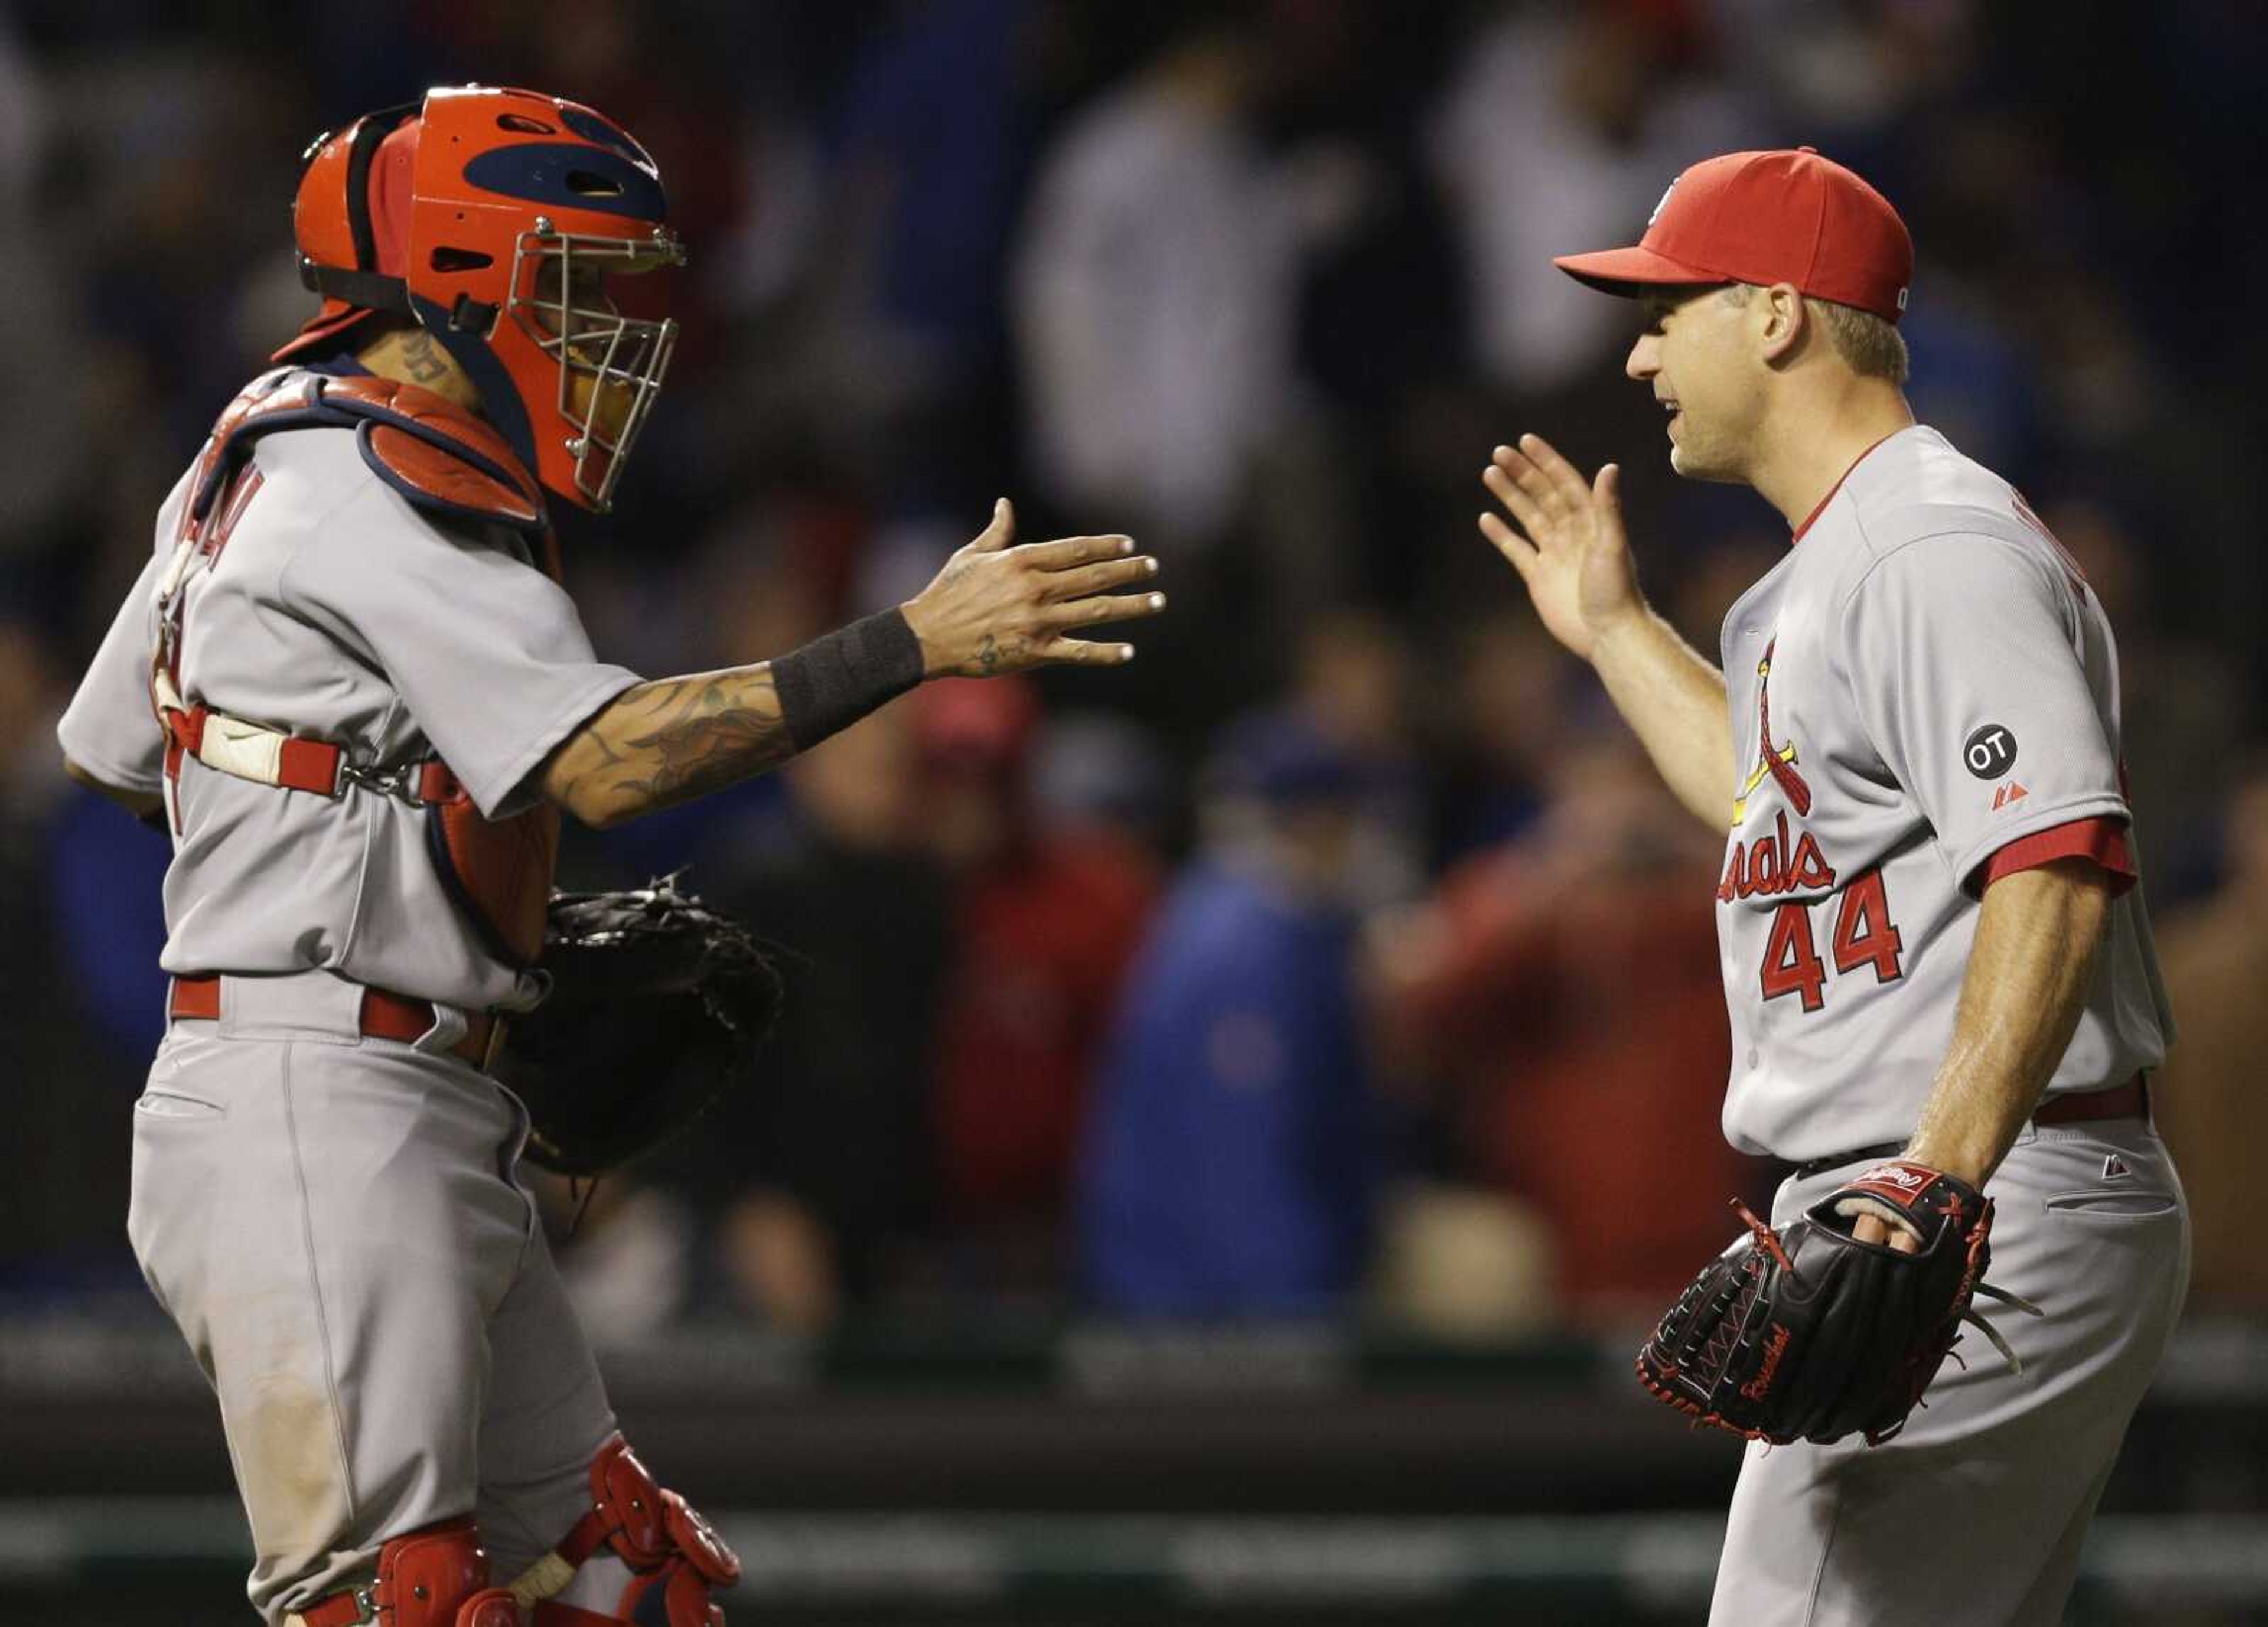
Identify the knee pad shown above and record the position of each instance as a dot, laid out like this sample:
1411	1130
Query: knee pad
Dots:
436	1576
675	1557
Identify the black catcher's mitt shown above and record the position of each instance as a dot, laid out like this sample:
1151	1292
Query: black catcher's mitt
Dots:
1811	1334
657	1005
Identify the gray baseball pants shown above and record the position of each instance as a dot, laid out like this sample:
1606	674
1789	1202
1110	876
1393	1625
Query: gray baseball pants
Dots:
1973	1516
335	1224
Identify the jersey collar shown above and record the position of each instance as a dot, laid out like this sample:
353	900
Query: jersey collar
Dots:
1821	508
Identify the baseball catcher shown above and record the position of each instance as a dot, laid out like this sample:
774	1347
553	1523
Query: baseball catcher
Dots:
352	684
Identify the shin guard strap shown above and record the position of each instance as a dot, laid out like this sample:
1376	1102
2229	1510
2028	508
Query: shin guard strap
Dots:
422	1579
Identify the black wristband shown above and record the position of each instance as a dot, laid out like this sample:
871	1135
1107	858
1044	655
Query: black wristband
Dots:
837	679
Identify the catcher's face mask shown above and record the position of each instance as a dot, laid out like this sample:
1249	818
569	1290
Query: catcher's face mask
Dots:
568	291
502	222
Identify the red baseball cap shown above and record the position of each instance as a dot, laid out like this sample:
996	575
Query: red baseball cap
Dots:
1765	217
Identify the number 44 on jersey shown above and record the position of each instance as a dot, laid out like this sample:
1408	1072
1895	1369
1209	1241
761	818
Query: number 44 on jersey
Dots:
1863	936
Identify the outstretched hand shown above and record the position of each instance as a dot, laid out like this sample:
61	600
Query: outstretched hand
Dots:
1569	547
997	607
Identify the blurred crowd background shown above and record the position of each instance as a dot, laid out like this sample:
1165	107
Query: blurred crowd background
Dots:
1341	957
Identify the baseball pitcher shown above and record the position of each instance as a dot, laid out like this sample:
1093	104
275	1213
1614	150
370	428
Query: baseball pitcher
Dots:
351	687
1945	1004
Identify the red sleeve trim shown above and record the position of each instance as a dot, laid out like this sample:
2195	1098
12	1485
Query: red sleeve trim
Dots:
2100	840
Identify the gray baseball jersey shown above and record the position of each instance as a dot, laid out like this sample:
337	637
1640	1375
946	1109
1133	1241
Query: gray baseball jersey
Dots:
336	610
1924	683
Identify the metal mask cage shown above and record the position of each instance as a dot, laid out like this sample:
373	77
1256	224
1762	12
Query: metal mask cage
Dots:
623	358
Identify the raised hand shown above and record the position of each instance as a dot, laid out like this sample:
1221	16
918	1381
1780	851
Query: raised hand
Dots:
1569	547
999	609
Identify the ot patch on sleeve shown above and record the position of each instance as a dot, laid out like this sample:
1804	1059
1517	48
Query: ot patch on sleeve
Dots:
1990	751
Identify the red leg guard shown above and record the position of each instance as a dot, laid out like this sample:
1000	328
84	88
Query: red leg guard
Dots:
434	1577
676	1555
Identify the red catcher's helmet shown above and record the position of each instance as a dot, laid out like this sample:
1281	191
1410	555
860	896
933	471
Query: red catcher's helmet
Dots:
497	220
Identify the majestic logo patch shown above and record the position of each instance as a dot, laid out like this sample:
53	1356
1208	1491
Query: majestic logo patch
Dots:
1990	751
2114	1167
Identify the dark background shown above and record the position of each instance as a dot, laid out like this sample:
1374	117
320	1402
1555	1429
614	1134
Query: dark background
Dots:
1096	1175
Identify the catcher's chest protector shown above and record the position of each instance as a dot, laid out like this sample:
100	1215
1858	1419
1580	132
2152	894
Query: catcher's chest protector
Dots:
499	871
445	462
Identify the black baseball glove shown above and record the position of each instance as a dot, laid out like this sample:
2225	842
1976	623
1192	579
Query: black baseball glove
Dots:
657	1007
1811	1334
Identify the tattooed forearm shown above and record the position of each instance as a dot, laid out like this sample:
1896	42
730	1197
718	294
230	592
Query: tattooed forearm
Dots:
668	742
